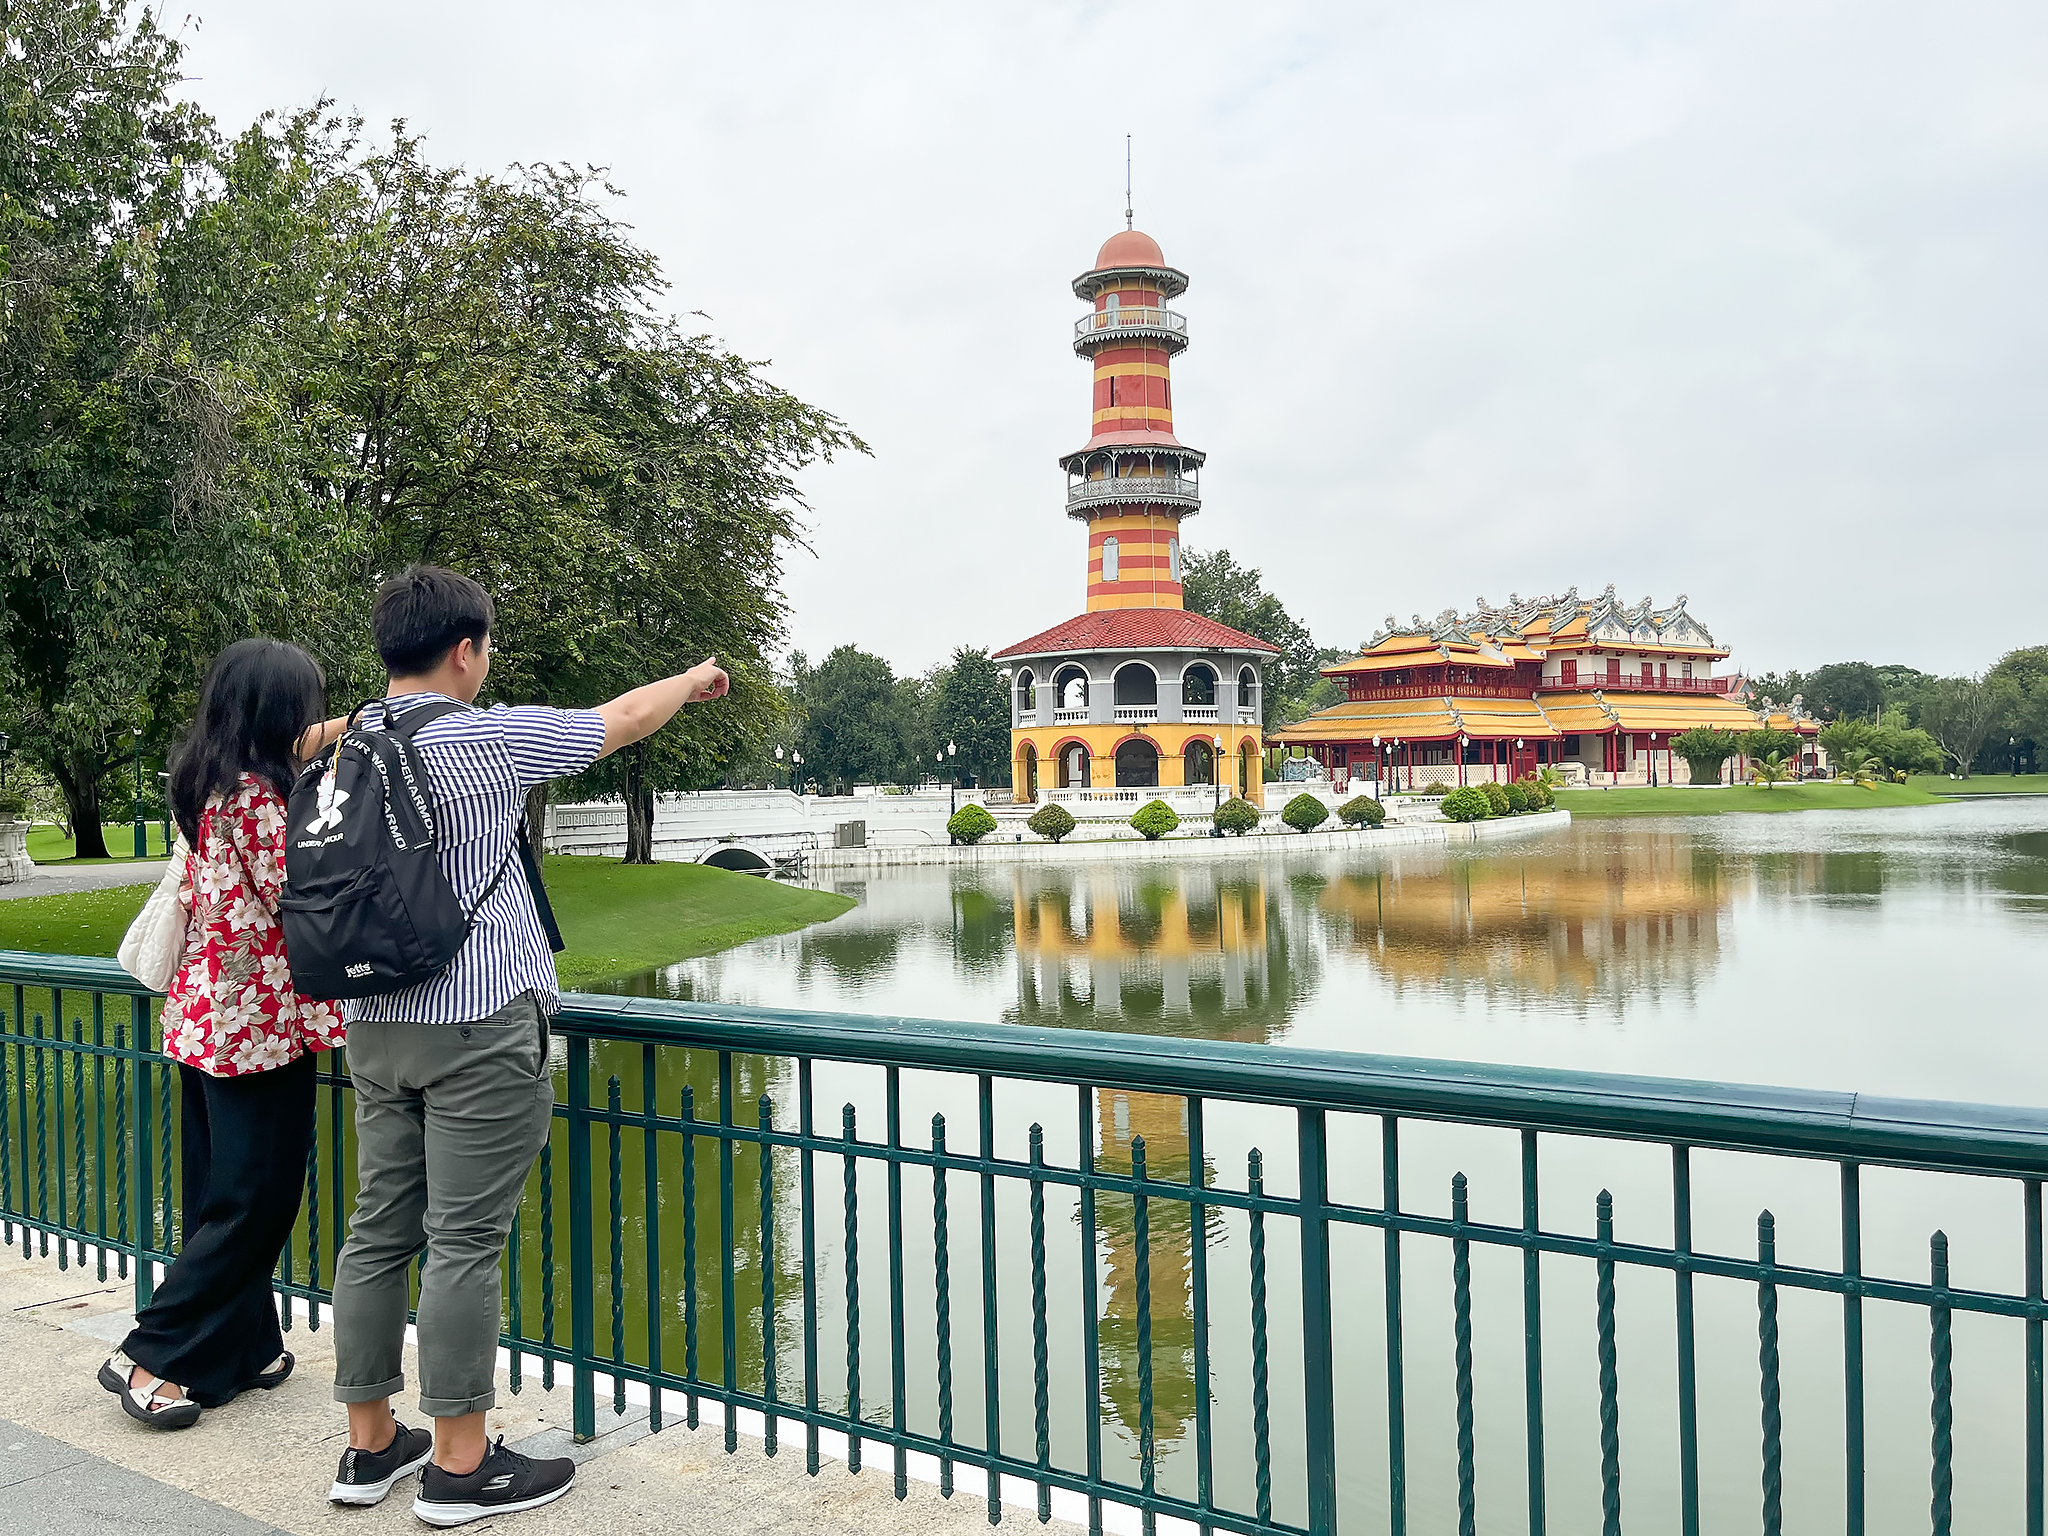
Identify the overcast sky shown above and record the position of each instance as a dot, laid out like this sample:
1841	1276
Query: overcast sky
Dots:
1743	299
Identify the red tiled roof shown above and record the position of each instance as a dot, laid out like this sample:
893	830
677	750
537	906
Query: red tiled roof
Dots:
1137	629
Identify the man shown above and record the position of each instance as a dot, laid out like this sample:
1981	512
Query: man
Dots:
453	1092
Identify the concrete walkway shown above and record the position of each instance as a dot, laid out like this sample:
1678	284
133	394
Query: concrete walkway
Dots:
54	879
72	1463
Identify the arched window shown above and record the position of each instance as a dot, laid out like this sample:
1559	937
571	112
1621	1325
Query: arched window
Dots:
1247	685
1109	558
1199	760
1027	692
1198	686
1136	684
1173	558
1070	689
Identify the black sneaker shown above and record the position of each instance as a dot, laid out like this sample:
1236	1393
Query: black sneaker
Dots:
366	1476
506	1483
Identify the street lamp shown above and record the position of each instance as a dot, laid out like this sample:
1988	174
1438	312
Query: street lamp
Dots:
141	826
1216	773
1463	742
953	798
3	759
796	759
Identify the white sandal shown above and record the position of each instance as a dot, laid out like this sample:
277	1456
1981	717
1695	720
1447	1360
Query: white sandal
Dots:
146	1404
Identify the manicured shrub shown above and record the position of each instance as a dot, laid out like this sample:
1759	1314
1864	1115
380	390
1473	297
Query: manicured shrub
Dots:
1236	817
1051	821
1518	797
1154	820
1541	795
1469	804
1364	811
1496	796
12	804
1304	813
970	824
1435	787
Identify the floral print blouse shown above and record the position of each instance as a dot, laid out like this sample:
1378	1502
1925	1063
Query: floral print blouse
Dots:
231	1008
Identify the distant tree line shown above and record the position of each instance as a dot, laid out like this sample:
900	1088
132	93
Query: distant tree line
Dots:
244	378
1994	722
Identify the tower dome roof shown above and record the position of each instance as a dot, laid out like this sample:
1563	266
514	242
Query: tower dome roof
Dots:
1129	248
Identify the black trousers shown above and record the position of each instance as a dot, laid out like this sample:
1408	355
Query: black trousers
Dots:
212	1325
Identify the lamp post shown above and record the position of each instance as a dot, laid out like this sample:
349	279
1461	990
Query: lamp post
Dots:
1650	760
141	826
796	760
778	759
163	784
953	799
1463	741
3	759
1216	774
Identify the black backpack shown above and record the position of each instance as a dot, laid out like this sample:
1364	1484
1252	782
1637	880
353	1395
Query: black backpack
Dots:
366	907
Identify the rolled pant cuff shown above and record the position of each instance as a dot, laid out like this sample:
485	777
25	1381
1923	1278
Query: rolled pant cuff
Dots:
456	1407
369	1394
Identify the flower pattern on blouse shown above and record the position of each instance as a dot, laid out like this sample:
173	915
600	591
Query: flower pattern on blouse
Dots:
231	1008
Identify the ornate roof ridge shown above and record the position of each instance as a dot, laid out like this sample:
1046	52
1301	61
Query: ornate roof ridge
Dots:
1490	624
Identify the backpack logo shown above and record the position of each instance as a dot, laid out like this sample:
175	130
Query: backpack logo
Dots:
360	968
331	802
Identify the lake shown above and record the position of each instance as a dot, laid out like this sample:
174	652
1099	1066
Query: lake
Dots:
1895	952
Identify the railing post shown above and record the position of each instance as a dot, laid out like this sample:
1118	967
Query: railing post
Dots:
1318	1371
582	1266
140	1113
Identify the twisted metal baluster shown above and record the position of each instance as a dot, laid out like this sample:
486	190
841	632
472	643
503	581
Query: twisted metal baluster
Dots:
1610	1406
1041	1392
120	1145
943	1283
1141	1242
42	1157
78	1129
769	1438
1262	1441
852	1203
1767	1361
1461	1329
547	1265
1941	1510
689	1116
618	1254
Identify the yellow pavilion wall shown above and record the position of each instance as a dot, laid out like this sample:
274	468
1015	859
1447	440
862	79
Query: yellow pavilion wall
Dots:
1171	741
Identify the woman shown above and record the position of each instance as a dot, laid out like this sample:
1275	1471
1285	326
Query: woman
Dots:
243	1040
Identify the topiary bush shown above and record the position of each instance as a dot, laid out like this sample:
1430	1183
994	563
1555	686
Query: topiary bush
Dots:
1541	796
1304	813
1496	796
1434	787
1236	817
1467	805
1051	821
1364	811
13	803
1518	798
1154	820
970	824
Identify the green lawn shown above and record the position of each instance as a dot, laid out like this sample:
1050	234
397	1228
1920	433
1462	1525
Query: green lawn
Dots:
617	918
1743	797
46	845
1987	784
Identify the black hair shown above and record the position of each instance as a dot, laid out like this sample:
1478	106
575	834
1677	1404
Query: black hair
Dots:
258	699
423	613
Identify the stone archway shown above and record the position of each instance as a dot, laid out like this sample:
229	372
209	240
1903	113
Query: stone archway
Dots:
1072	766
1198	763
1029	777
1137	765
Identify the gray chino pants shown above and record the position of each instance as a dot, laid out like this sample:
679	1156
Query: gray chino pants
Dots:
449	1118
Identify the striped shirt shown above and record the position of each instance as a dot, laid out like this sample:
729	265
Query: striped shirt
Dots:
481	763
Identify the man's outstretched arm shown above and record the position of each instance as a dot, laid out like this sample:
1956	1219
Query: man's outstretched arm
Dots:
641	712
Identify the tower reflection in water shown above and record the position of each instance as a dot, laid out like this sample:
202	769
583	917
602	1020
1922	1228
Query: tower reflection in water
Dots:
1230	953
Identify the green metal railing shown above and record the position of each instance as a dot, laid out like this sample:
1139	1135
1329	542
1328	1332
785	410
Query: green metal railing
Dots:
1235	1354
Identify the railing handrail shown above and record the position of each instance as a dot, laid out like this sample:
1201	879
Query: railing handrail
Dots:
1963	1138
1149	317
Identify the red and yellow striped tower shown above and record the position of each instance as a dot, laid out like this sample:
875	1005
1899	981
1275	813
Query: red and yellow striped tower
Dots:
1133	481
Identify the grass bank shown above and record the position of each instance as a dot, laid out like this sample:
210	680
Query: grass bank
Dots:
1744	797
1987	784
617	918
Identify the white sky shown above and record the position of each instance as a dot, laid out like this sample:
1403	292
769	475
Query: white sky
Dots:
1741	298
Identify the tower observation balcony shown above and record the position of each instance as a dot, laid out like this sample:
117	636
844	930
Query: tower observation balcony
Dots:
1111	490
1132	323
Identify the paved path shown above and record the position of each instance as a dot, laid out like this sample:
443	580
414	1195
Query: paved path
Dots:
71	1462
51	879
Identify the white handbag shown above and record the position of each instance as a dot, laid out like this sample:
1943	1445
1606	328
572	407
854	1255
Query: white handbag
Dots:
154	945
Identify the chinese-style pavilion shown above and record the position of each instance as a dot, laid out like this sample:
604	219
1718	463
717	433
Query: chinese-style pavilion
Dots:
1135	692
1494	693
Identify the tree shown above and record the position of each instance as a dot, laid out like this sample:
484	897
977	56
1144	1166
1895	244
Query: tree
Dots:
2027	671
1768	743
1770	769
1845	690
852	724
1217	587
1779	687
1705	751
970	708
1960	712
121	393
